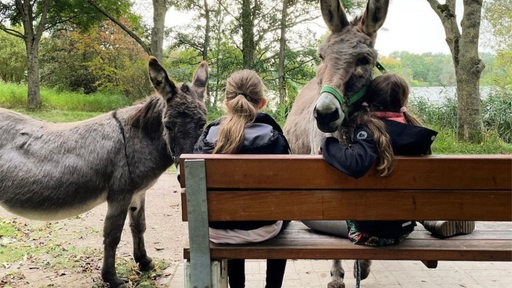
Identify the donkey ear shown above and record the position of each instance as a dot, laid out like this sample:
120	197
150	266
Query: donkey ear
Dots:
161	82
200	80
374	16
334	15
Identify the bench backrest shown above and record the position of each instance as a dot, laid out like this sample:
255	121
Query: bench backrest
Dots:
305	187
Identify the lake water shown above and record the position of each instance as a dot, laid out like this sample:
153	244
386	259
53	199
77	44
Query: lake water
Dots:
439	94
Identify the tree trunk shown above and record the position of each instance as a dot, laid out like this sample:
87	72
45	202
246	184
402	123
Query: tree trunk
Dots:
282	48
468	65
248	49
32	37
33	79
157	32
207	30
471	66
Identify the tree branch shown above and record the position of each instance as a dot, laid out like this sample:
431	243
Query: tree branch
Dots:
11	32
134	36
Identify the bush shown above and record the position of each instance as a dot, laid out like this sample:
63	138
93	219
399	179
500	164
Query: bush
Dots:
496	113
442	115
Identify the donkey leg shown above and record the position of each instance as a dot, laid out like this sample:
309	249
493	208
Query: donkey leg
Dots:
114	222
138	227
337	275
364	265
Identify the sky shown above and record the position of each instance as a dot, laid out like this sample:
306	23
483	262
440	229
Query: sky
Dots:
412	25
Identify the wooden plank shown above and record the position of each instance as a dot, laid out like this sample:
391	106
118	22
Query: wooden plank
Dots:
312	172
299	242
494	252
357	204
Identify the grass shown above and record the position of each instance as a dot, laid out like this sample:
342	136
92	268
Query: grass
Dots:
14	96
446	143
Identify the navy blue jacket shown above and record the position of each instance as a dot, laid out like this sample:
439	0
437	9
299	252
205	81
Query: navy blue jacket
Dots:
263	136
358	157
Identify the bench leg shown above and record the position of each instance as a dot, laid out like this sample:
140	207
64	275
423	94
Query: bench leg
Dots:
430	263
219	274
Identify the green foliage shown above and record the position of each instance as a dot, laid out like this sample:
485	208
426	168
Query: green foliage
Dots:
496	115
427	69
13	62
497	108
12	96
499	16
442	115
104	59
281	112
447	143
61	12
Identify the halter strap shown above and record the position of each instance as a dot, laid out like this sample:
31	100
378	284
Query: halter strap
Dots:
334	92
353	99
380	67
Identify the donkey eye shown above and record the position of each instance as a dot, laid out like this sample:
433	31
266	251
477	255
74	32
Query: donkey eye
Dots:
321	57
363	61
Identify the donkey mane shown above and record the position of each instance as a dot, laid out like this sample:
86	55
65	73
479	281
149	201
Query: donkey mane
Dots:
149	117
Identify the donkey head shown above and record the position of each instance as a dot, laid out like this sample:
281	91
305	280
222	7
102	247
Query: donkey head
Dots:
347	60
184	114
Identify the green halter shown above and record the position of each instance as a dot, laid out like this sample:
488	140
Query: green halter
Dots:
354	98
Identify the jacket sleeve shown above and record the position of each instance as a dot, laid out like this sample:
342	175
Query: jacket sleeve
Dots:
283	146
354	160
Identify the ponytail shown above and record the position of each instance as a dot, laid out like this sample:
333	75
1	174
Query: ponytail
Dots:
231	132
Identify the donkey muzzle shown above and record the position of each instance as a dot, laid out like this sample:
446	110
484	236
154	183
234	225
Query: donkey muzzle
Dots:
328	113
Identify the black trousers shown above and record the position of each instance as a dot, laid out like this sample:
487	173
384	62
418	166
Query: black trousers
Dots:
274	277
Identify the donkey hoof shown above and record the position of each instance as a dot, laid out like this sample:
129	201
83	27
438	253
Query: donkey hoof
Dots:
146	264
117	283
336	284
365	268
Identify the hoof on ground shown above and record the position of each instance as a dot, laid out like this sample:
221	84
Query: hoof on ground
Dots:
336	284
146	265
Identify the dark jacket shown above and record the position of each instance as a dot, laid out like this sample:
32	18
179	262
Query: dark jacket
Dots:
358	157
263	136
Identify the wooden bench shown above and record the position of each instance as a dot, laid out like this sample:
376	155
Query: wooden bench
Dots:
304	187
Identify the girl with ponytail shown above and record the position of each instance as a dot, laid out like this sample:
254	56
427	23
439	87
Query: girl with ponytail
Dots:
245	130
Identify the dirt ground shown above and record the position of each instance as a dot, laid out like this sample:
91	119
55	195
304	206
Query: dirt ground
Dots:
165	236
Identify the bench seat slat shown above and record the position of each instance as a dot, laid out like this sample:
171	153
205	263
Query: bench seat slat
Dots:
356	204
299	242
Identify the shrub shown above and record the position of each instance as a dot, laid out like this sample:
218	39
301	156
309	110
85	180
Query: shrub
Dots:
496	113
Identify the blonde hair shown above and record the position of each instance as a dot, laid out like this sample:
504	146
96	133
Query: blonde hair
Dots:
244	94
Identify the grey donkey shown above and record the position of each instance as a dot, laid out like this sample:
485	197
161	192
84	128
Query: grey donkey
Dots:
52	171
347	61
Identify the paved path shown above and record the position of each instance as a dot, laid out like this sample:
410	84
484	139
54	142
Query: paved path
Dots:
384	274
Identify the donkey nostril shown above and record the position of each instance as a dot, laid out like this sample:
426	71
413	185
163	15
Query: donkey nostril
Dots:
328	117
